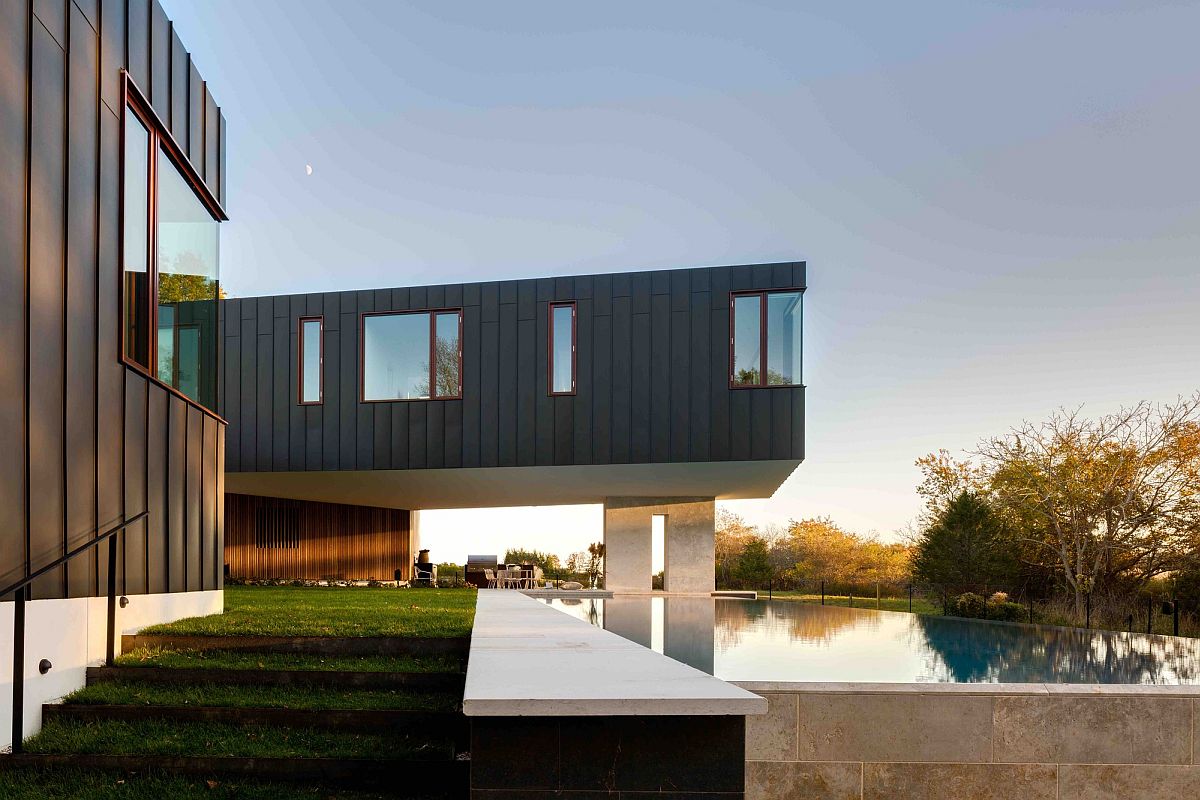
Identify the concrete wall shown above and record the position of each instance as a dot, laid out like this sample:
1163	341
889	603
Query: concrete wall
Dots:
71	635
954	741
690	543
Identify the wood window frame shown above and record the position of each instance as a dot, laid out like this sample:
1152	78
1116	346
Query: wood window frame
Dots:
550	346
433	315
159	139
319	318
762	337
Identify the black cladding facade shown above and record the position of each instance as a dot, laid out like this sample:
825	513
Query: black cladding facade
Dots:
652	378
84	440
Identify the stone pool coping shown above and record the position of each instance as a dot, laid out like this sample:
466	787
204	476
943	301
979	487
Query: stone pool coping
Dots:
530	660
987	689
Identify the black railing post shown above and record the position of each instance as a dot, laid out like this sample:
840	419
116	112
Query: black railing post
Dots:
1031	608
771	589
1175	616
851	596
18	669
110	646
822	592
910	598
1087	622
1149	615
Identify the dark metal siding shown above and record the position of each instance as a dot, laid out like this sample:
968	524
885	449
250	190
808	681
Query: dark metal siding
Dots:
86	441
652	379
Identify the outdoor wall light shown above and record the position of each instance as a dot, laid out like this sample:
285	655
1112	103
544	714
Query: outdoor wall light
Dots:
44	666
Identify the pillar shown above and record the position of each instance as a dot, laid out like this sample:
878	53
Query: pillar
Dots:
690	543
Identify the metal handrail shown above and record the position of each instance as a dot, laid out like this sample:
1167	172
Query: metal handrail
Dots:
21	591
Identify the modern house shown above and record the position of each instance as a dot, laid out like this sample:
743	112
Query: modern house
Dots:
654	393
112	188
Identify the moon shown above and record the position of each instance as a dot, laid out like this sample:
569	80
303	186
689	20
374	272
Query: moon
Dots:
308	169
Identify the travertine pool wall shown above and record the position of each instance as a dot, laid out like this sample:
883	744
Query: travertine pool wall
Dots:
976	741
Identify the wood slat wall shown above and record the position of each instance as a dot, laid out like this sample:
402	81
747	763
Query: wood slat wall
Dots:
348	542
84	441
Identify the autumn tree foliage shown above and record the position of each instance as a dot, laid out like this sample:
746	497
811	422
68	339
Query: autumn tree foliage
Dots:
1102	504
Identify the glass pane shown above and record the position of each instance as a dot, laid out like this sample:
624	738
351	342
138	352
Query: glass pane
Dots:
784	338
187	250
310	361
449	383
136	213
396	357
747	339
562	350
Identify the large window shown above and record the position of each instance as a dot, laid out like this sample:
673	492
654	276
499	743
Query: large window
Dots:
412	356
766	338
170	261
312	357
562	348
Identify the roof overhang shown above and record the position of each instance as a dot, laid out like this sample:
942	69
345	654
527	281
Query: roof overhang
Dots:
493	487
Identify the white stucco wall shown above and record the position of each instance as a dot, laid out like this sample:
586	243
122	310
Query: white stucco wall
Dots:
71	635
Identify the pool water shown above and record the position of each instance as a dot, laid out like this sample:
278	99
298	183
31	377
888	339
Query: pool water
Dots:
782	640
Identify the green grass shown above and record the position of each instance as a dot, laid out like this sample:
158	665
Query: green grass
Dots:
300	698
157	738
29	784
919	606
232	659
297	611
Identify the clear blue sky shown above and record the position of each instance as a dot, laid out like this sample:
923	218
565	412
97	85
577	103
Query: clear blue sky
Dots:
998	202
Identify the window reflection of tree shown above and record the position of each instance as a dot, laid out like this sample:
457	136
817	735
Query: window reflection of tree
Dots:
797	621
974	651
449	383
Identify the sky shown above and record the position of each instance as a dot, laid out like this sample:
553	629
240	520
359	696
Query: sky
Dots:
997	201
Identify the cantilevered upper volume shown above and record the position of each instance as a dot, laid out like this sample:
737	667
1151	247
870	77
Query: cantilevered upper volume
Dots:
570	389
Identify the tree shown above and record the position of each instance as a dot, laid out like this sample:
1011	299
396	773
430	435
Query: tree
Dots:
965	548
732	533
1119	495
445	354
547	561
754	564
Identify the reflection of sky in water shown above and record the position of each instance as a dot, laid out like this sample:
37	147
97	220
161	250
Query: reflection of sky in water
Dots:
787	641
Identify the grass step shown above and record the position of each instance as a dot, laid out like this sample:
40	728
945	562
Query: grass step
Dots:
257	696
232	659
416	681
425	724
310	611
38	776
24	781
310	645
212	739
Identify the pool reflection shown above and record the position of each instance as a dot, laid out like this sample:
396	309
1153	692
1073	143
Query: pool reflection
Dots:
788	641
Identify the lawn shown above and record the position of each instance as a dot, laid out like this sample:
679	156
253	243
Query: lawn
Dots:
161	738
233	659
141	694
919	605
333	611
89	785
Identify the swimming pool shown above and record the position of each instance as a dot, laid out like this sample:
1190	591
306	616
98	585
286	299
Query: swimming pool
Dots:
782	640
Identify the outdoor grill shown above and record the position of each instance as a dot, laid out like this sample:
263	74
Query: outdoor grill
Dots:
475	567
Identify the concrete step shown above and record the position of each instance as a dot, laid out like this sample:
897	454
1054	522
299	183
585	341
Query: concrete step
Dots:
448	682
404	779
451	725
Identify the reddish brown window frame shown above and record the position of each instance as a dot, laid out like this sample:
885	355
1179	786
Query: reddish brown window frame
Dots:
320	360
159	134
550	346
762	338
433	314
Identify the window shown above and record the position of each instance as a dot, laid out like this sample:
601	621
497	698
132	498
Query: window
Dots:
765	338
170	261
312	358
562	348
412	356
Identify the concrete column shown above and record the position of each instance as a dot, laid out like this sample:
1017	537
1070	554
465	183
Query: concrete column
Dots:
690	543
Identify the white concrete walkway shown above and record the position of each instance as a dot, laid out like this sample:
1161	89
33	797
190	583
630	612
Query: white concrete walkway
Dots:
529	660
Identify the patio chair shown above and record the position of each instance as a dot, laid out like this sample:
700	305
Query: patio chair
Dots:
490	576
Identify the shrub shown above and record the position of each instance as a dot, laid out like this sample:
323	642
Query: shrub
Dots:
1007	612
969	604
